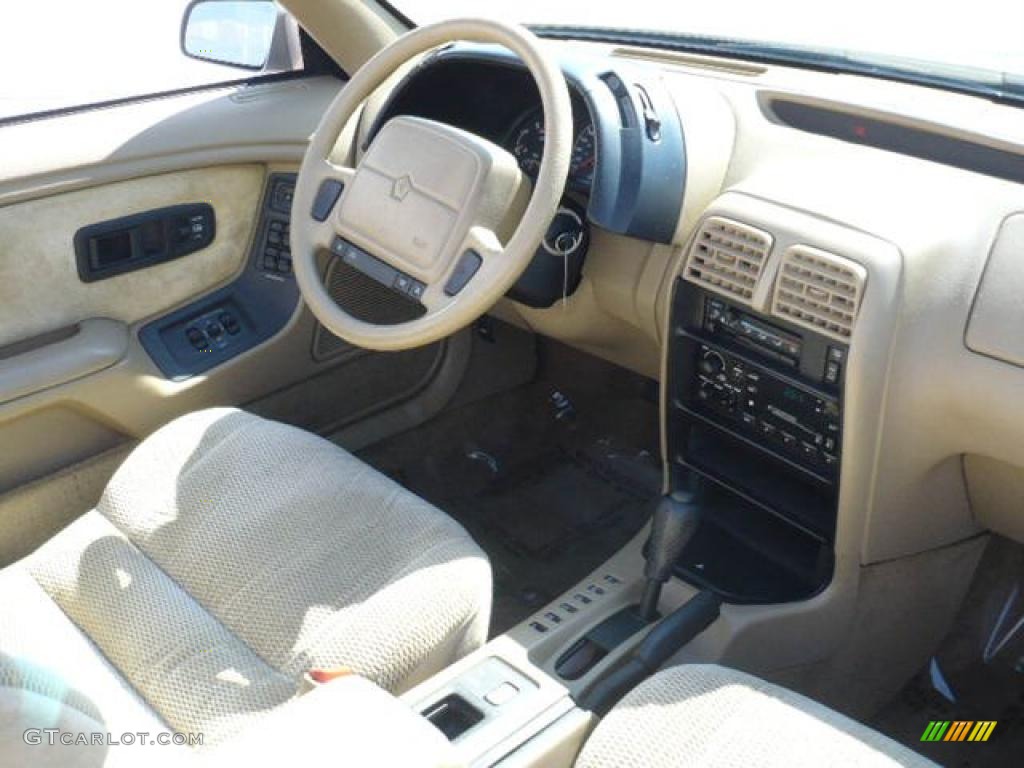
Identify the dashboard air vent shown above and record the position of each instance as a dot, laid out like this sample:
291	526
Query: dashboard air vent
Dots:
728	257
819	290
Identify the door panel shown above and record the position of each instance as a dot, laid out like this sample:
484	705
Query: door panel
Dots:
40	289
224	147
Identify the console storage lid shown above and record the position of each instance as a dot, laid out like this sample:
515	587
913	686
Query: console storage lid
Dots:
348	721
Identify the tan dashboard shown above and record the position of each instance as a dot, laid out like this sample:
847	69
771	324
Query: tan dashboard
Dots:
916	233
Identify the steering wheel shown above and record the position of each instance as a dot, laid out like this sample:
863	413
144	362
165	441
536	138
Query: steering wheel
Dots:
426	209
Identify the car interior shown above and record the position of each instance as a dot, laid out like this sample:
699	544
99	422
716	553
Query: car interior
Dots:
476	395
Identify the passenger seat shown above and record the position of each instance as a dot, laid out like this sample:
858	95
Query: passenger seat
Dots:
714	717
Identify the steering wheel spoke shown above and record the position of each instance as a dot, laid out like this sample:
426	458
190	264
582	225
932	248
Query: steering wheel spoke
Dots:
325	170
322	234
484	242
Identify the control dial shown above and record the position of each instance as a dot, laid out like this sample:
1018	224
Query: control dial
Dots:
711	363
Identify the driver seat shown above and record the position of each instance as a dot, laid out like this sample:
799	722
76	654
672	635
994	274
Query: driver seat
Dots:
228	557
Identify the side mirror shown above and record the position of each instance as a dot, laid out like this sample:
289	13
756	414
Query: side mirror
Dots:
238	33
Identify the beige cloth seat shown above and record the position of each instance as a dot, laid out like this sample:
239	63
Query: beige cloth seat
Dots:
228	556
714	717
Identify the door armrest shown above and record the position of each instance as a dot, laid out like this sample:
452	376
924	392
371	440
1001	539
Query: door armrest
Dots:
61	356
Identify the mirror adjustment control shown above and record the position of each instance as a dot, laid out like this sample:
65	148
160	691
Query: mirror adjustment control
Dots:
281	197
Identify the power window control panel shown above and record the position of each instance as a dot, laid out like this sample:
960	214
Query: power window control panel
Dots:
214	330
274	251
277	249
574	604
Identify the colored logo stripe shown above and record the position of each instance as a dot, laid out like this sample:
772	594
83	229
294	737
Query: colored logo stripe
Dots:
958	730
982	730
935	731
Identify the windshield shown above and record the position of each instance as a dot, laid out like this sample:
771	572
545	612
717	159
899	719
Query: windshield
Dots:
977	42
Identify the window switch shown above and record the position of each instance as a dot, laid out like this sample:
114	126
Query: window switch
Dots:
230	323
196	338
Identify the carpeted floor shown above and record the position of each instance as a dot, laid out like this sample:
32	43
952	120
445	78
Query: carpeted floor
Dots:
550	478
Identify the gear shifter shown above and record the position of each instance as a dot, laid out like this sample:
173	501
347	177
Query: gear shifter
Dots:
675	521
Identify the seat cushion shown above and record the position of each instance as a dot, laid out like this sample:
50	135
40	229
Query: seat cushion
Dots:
228	556
711	716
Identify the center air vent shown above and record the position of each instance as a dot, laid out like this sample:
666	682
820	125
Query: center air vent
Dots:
728	257
819	290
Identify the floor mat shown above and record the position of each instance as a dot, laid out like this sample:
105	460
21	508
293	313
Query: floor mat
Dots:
551	480
976	675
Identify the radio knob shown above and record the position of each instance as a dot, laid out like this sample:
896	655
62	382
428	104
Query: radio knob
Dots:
711	364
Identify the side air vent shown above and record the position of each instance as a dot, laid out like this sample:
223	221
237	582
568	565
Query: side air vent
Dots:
728	257
819	290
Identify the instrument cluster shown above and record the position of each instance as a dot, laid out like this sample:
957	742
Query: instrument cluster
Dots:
526	141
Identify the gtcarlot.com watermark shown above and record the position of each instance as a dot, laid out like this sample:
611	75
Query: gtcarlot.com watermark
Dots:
54	736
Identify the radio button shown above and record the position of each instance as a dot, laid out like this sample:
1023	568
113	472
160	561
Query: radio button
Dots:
832	371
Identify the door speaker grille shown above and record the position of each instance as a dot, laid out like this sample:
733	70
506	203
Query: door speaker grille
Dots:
365	299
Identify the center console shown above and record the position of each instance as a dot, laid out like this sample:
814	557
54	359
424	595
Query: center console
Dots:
754	417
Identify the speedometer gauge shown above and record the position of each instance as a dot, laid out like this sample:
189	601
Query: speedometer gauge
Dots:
529	146
584	157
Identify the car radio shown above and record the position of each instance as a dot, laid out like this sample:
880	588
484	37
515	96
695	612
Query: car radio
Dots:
720	318
778	413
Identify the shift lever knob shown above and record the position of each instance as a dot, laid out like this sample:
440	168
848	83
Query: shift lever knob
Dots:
675	521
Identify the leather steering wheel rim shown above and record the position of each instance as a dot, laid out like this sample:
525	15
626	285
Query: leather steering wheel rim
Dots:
444	314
